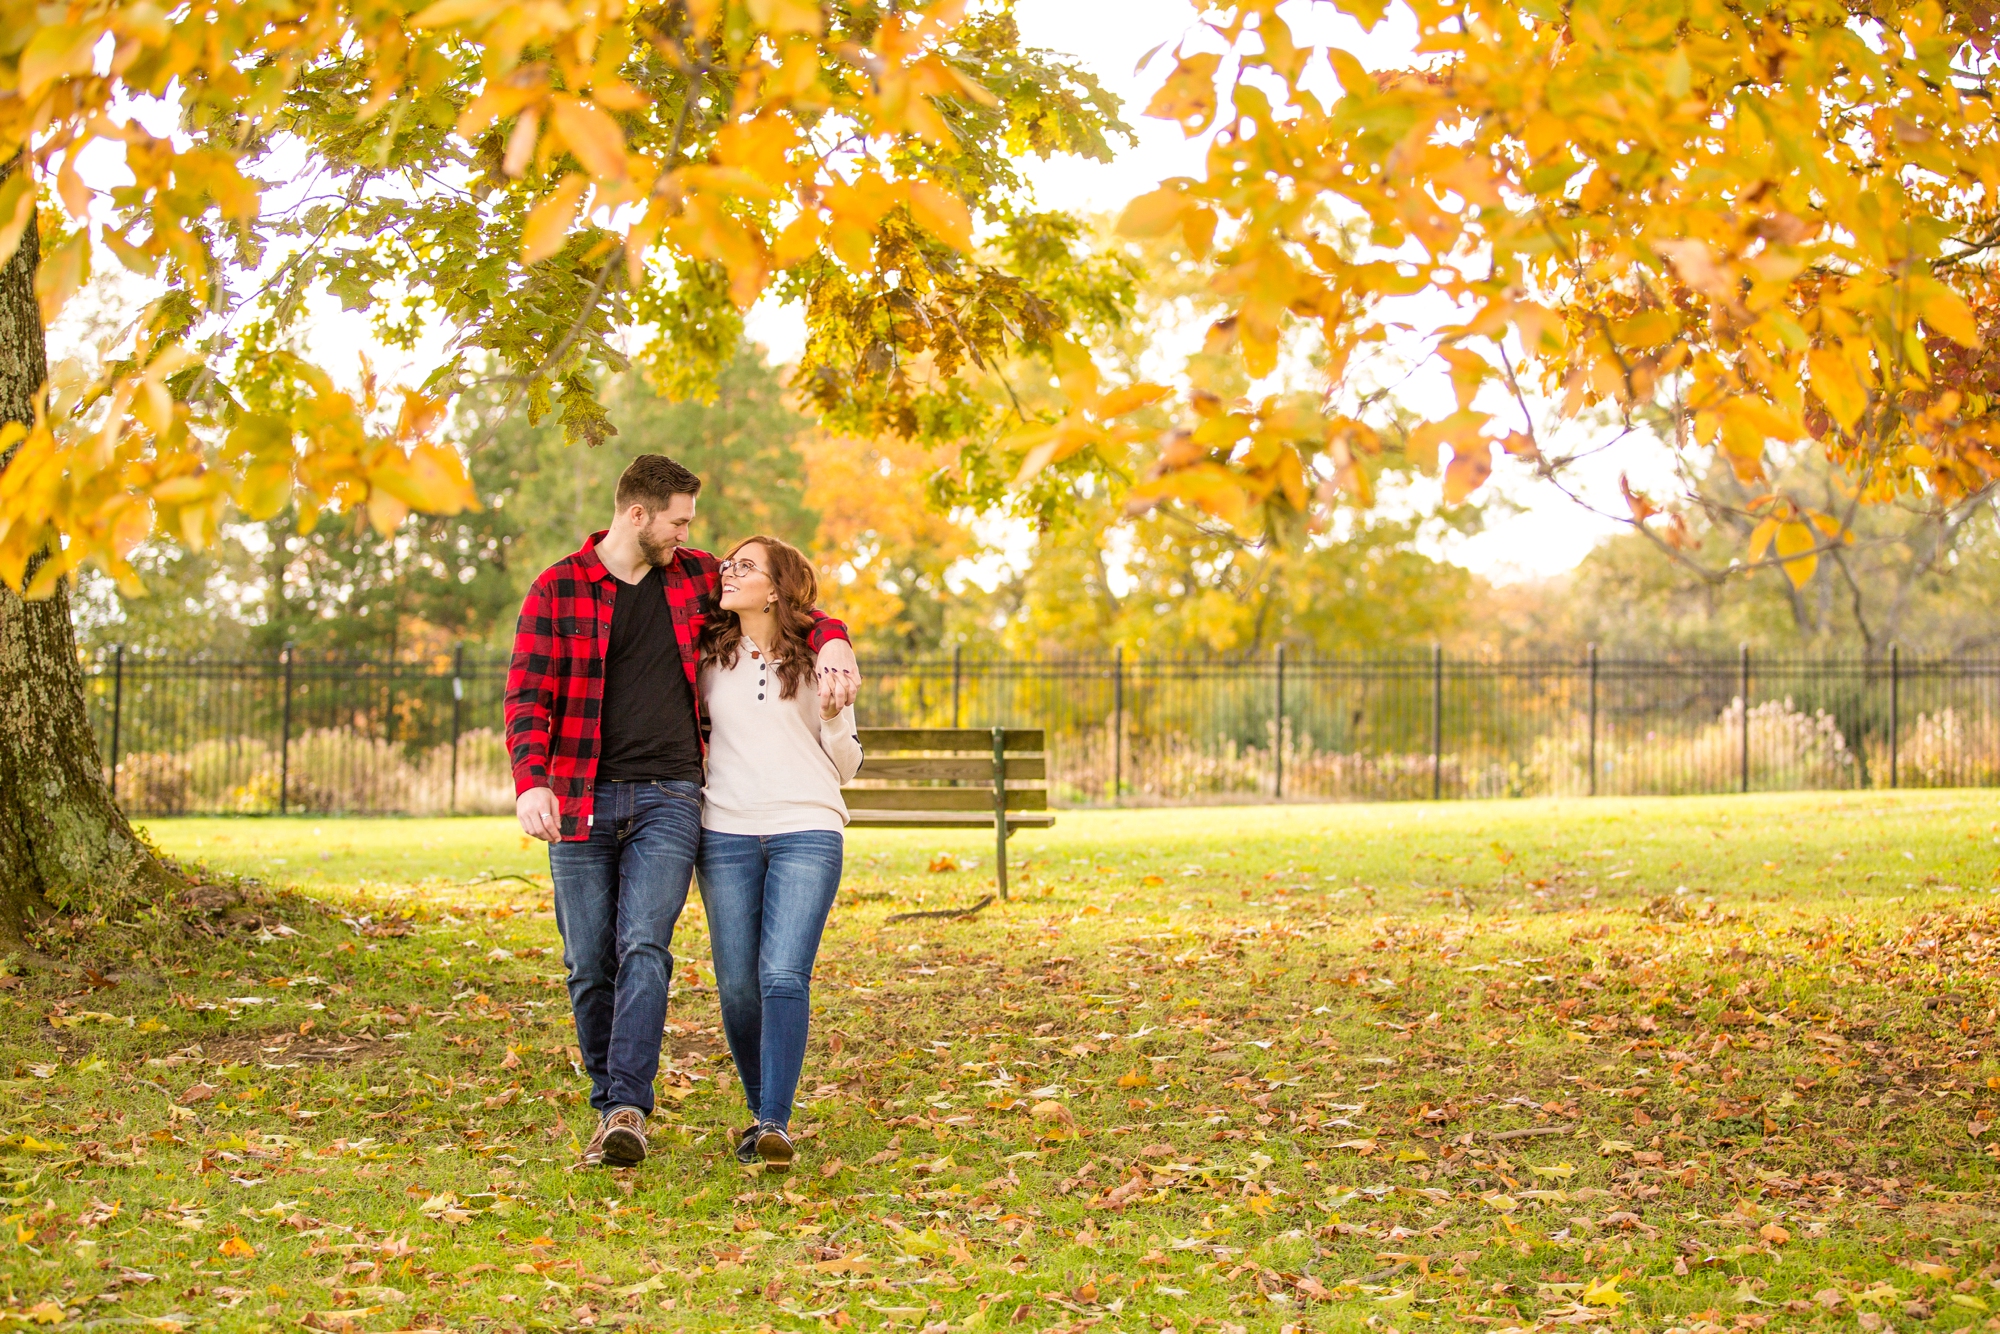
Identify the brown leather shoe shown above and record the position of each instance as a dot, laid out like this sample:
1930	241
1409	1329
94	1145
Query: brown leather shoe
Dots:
623	1136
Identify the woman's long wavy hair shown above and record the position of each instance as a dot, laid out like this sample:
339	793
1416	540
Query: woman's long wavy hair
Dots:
797	590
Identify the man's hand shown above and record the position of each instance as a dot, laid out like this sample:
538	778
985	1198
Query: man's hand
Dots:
839	677
539	815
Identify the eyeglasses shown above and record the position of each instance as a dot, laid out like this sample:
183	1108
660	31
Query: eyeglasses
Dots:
738	567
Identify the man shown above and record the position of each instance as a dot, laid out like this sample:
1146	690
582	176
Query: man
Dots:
604	729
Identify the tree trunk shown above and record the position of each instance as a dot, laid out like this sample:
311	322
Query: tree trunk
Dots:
64	844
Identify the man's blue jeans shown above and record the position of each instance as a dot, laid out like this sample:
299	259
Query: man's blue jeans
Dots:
767	897
618	895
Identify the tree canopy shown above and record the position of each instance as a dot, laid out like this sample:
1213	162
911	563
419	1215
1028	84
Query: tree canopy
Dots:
525	184
1719	228
1724	226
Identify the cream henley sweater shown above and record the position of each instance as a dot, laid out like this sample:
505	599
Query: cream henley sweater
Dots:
773	766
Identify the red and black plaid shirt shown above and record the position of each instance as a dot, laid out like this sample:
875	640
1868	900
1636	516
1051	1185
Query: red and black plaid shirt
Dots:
555	683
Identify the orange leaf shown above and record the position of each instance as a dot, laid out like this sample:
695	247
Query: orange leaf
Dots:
1638	502
941	213
1471	464
1188	95
592	136
548	222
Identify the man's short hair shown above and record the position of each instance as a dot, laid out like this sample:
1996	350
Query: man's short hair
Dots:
652	480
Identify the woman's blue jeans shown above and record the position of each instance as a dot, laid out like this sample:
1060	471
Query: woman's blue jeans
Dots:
767	897
618	894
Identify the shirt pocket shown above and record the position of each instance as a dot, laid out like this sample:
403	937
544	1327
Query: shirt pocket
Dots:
577	633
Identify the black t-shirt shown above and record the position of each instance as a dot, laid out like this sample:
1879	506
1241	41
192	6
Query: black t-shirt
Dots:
649	729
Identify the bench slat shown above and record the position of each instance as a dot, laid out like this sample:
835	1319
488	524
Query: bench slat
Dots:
1020	768
888	740
941	798
945	820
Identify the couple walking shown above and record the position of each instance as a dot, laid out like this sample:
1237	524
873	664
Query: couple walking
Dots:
668	714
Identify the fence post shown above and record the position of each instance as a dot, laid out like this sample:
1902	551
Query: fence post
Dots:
1437	722
1593	720
1278	732
457	700
1743	753
117	710
285	740
1895	710
1118	725
957	665
1000	809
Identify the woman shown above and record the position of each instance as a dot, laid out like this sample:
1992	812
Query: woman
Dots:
772	817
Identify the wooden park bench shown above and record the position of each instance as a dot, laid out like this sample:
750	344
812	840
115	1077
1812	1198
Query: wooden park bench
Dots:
953	778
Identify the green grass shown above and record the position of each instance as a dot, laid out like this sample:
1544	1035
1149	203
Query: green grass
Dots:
1679	1064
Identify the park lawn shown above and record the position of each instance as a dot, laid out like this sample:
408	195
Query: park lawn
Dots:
1682	1063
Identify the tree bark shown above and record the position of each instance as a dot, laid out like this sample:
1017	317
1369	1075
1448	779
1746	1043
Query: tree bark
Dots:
64	844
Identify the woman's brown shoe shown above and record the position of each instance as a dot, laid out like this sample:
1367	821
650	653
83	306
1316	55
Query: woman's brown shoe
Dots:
774	1146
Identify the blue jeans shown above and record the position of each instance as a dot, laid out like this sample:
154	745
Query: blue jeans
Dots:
767	898
618	894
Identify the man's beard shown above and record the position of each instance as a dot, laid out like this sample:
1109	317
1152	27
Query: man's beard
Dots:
655	552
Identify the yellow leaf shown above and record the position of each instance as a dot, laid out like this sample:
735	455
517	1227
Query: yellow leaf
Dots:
445	13
548	222
17	206
1075	371
46	1313
1130	399
1604	1292
1188	95
1795	538
1834	380
1135	1079
236	1249
1153	214
593	137
787	16
1945	311
1760	538
941	213
62	271
56	51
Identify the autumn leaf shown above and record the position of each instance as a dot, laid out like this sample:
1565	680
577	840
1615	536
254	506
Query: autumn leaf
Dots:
548	222
235	1248
593	138
1833	379
1796	545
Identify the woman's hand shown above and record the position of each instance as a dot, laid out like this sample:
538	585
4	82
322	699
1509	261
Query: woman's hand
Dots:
839	677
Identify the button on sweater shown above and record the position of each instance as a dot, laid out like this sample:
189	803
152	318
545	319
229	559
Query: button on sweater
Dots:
774	767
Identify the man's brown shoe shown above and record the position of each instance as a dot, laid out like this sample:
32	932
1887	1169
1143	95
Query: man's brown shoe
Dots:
623	1137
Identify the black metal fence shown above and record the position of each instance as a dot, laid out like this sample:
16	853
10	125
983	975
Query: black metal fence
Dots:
289	733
